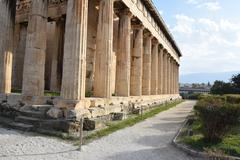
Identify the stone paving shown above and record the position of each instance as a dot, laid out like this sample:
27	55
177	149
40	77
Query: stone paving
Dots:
148	140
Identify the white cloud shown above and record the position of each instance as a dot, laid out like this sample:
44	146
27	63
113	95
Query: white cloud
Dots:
184	24
207	45
211	5
209	24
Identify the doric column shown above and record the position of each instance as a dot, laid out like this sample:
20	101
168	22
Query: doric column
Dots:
168	73
7	19
104	50
146	80
154	68
176	83
19	53
177	78
174	77
136	61
160	71
55	84
171	87
124	55
165	71
34	61
74	62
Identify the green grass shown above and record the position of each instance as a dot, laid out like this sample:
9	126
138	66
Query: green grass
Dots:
230	144
113	127
51	94
46	93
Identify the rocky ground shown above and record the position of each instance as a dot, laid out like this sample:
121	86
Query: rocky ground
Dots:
148	140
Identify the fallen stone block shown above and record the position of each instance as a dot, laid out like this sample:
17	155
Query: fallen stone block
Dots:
118	116
92	124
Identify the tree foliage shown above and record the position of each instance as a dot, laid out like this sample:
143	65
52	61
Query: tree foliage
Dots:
220	87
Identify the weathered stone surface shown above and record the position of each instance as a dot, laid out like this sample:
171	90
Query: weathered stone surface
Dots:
55	113
136	61
34	61
6	46
14	99
92	124
3	97
71	114
154	69
118	116
146	80
74	65
124	55
104	50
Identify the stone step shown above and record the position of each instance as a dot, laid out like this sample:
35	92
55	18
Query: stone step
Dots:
21	126
42	108
34	114
28	120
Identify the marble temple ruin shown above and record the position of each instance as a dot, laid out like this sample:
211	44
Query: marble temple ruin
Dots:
100	56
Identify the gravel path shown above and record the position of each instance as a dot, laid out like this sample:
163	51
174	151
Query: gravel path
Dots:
148	140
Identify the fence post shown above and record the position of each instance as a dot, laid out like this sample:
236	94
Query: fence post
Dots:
81	133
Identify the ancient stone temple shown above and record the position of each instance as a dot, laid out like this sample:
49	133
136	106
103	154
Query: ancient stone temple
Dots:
97	56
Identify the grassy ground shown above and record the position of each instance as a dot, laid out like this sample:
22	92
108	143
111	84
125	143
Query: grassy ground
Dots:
230	144
46	93
113	127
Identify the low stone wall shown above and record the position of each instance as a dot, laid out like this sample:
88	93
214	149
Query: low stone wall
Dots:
50	115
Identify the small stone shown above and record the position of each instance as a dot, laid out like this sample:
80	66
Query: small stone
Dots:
118	116
55	113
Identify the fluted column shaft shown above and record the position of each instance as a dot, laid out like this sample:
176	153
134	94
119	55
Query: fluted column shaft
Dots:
176	82
154	69
177	79
146	80
172	77
124	55
34	61
104	50
160	71
56	55
165	70
7	18
74	61
136	61
168	74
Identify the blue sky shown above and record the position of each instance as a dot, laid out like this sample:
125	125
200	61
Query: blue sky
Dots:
206	31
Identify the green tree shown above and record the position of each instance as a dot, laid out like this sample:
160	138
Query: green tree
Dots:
220	87
236	80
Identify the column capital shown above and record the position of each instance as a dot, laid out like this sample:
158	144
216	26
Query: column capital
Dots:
138	26
161	48
147	34
155	41
125	12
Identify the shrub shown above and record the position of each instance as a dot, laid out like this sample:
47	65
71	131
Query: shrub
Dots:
192	96
217	116
233	99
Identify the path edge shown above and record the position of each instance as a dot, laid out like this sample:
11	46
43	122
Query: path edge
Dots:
193	152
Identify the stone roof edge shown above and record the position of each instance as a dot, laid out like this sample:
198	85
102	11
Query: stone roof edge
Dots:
154	12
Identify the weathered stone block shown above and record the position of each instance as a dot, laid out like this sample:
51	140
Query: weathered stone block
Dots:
92	124
118	116
14	99
97	112
55	113
3	98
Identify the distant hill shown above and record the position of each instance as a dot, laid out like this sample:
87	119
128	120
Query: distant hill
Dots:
206	77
